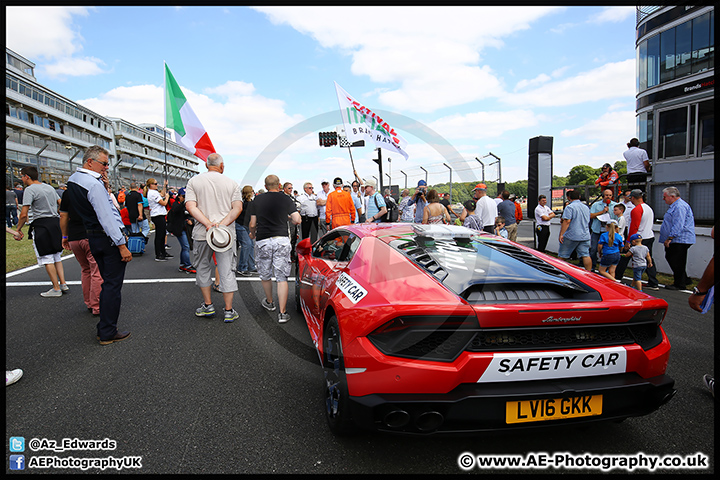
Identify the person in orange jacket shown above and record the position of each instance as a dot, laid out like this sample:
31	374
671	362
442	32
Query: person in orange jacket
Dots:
339	209
608	177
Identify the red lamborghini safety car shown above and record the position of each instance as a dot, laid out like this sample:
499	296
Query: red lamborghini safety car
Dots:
434	328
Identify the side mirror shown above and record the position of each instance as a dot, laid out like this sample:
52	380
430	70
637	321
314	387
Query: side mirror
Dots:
304	247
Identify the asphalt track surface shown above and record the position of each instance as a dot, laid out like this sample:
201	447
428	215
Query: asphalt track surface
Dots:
191	395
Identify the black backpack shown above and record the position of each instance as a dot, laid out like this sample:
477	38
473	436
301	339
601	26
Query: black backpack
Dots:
392	210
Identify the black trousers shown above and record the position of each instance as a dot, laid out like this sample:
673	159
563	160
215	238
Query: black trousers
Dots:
638	178
676	256
543	235
160	232
309	228
112	271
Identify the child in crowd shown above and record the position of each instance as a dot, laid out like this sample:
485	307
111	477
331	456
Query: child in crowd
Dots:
500	227
609	249
641	259
619	211
471	221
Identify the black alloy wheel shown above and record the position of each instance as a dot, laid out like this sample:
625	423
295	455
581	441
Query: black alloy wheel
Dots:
336	391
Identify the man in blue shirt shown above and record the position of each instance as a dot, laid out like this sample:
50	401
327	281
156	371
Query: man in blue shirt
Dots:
597	228
375	206
677	234
574	231
104	228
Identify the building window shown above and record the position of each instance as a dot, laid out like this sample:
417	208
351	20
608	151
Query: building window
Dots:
702	44
677	129
683	50
672	132
706	128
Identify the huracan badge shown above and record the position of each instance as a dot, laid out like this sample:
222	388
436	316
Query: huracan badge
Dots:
561	319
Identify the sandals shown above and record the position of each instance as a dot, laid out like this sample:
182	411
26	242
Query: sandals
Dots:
216	287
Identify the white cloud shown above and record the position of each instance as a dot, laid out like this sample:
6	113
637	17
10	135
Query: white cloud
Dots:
433	52
611	80
237	119
73	67
48	33
539	80
613	127
484	124
613	14
43	31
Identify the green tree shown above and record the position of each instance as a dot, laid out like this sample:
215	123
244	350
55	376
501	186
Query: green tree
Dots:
620	167
582	175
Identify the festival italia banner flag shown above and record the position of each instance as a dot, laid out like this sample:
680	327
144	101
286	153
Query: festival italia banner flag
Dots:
361	123
189	132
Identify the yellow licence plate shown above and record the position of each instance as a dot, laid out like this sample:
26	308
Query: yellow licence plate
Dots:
553	409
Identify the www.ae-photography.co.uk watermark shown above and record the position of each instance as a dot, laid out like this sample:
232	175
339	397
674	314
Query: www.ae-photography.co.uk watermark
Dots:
585	461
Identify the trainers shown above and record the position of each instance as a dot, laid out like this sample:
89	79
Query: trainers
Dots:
269	306
167	255
205	310
654	287
707	379
245	273
12	376
161	259
52	293
283	317
230	315
64	288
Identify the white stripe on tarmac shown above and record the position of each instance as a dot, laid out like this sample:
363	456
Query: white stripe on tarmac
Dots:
136	280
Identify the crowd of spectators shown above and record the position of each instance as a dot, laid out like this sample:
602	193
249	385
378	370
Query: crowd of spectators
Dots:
618	230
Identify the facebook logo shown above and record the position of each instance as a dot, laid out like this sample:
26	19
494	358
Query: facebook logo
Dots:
17	462
17	444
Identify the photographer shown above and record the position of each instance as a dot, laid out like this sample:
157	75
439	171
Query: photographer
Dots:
419	200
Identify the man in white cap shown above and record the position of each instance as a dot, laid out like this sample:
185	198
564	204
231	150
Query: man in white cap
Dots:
215	201
486	208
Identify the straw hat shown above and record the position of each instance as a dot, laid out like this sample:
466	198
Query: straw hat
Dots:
219	238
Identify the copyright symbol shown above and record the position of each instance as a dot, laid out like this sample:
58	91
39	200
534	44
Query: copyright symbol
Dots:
466	461
34	444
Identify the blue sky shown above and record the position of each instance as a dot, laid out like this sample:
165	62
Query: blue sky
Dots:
482	79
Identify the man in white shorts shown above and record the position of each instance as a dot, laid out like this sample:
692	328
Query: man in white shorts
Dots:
269	214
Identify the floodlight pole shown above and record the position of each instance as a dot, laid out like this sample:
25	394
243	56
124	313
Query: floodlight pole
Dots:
448	166
426	174
499	166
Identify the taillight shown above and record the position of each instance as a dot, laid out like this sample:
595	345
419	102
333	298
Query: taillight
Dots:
656	315
645	327
429	337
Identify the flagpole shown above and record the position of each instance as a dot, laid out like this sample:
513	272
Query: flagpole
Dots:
165	121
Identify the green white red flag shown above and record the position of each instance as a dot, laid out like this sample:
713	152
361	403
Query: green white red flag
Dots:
361	123
189	132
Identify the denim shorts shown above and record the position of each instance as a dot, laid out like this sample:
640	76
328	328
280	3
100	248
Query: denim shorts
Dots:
637	273
567	247
610	259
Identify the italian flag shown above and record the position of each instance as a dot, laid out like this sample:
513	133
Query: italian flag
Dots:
189	132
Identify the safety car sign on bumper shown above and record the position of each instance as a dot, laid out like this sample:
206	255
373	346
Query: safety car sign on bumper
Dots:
511	367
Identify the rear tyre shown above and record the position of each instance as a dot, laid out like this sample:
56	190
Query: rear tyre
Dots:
337	410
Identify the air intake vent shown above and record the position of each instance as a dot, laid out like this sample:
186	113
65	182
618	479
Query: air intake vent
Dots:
510	293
